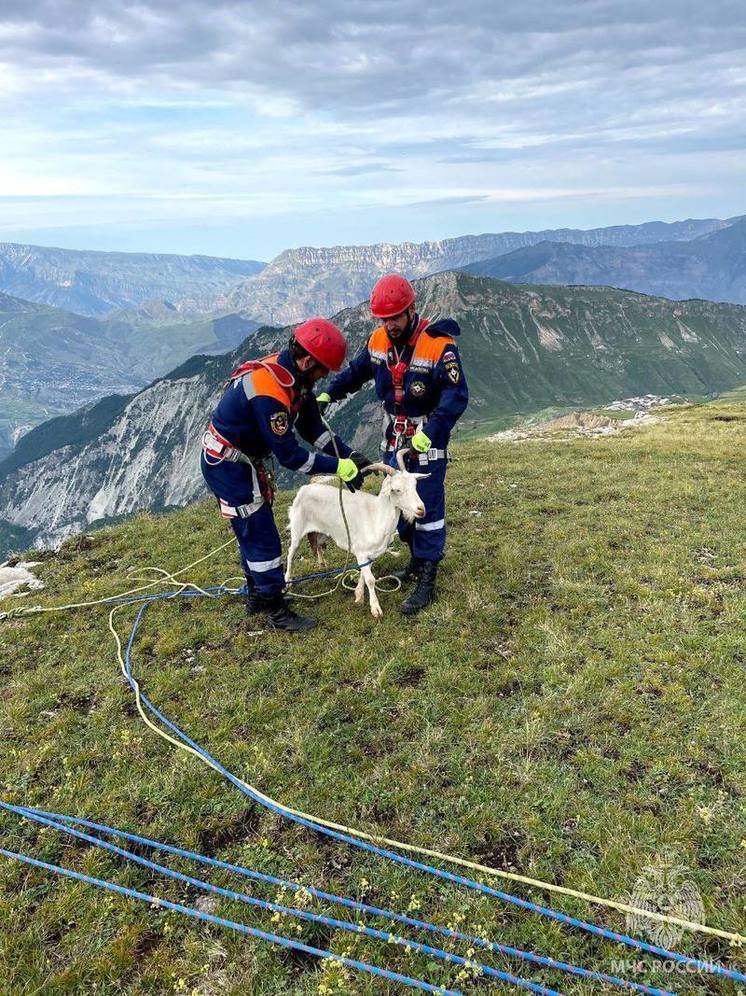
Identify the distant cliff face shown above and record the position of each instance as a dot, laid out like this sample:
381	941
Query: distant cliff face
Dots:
524	348
92	283
301	282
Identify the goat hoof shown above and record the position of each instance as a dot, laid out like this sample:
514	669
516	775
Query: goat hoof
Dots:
377	613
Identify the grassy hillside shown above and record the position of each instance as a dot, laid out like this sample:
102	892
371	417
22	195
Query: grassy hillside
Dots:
572	707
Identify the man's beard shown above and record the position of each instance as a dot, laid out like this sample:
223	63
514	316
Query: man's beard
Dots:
400	337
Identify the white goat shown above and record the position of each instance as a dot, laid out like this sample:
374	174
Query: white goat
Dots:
372	520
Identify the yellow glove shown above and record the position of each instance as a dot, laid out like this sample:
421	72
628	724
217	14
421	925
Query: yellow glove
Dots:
420	442
323	400
348	471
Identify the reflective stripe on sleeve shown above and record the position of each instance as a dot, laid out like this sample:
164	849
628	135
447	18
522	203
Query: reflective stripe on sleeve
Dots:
324	438
307	465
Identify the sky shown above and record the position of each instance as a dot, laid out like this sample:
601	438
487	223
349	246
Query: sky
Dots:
236	129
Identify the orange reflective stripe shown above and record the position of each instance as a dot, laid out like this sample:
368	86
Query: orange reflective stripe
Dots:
379	340
265	385
428	348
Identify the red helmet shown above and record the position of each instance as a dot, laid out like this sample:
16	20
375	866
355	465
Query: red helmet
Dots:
391	295
322	339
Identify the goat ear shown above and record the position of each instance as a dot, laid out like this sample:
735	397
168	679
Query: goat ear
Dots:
420	477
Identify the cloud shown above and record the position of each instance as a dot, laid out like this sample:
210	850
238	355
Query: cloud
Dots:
369	55
309	106
359	169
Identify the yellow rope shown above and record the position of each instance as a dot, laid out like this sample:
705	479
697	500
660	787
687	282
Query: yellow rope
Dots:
735	938
165	576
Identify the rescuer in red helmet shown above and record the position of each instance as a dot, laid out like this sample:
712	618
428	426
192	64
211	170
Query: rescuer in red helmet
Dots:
419	379
264	402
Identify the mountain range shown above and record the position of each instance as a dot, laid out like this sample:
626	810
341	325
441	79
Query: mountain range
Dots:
297	283
53	361
711	266
93	283
524	348
309	280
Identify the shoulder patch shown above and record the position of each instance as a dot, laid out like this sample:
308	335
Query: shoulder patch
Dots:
279	423
454	374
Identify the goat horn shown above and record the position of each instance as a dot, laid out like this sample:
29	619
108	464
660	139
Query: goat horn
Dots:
381	468
401	456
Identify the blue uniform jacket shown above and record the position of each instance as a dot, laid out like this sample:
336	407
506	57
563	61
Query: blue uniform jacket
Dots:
434	384
258	415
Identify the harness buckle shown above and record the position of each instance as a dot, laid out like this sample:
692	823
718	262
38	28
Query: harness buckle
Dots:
404	426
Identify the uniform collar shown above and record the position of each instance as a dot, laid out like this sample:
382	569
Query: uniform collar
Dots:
285	360
302	386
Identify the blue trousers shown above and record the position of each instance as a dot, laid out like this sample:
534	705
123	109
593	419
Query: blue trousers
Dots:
426	537
235	486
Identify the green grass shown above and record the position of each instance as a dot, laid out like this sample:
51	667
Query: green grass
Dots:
572	707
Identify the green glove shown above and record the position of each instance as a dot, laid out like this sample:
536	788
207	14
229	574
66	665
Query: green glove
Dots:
323	400
347	470
420	442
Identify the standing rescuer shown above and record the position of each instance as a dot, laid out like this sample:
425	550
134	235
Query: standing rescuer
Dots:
420	381
264	401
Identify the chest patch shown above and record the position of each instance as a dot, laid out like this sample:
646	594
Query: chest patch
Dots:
417	388
279	423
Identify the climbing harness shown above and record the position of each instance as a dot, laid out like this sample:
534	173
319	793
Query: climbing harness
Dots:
215	449
399	360
283	376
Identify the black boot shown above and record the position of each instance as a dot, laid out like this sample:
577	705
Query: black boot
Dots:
409	573
281	616
251	598
424	591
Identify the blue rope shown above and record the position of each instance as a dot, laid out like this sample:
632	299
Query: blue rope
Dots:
273	907
242	928
441	873
492	946
327	574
